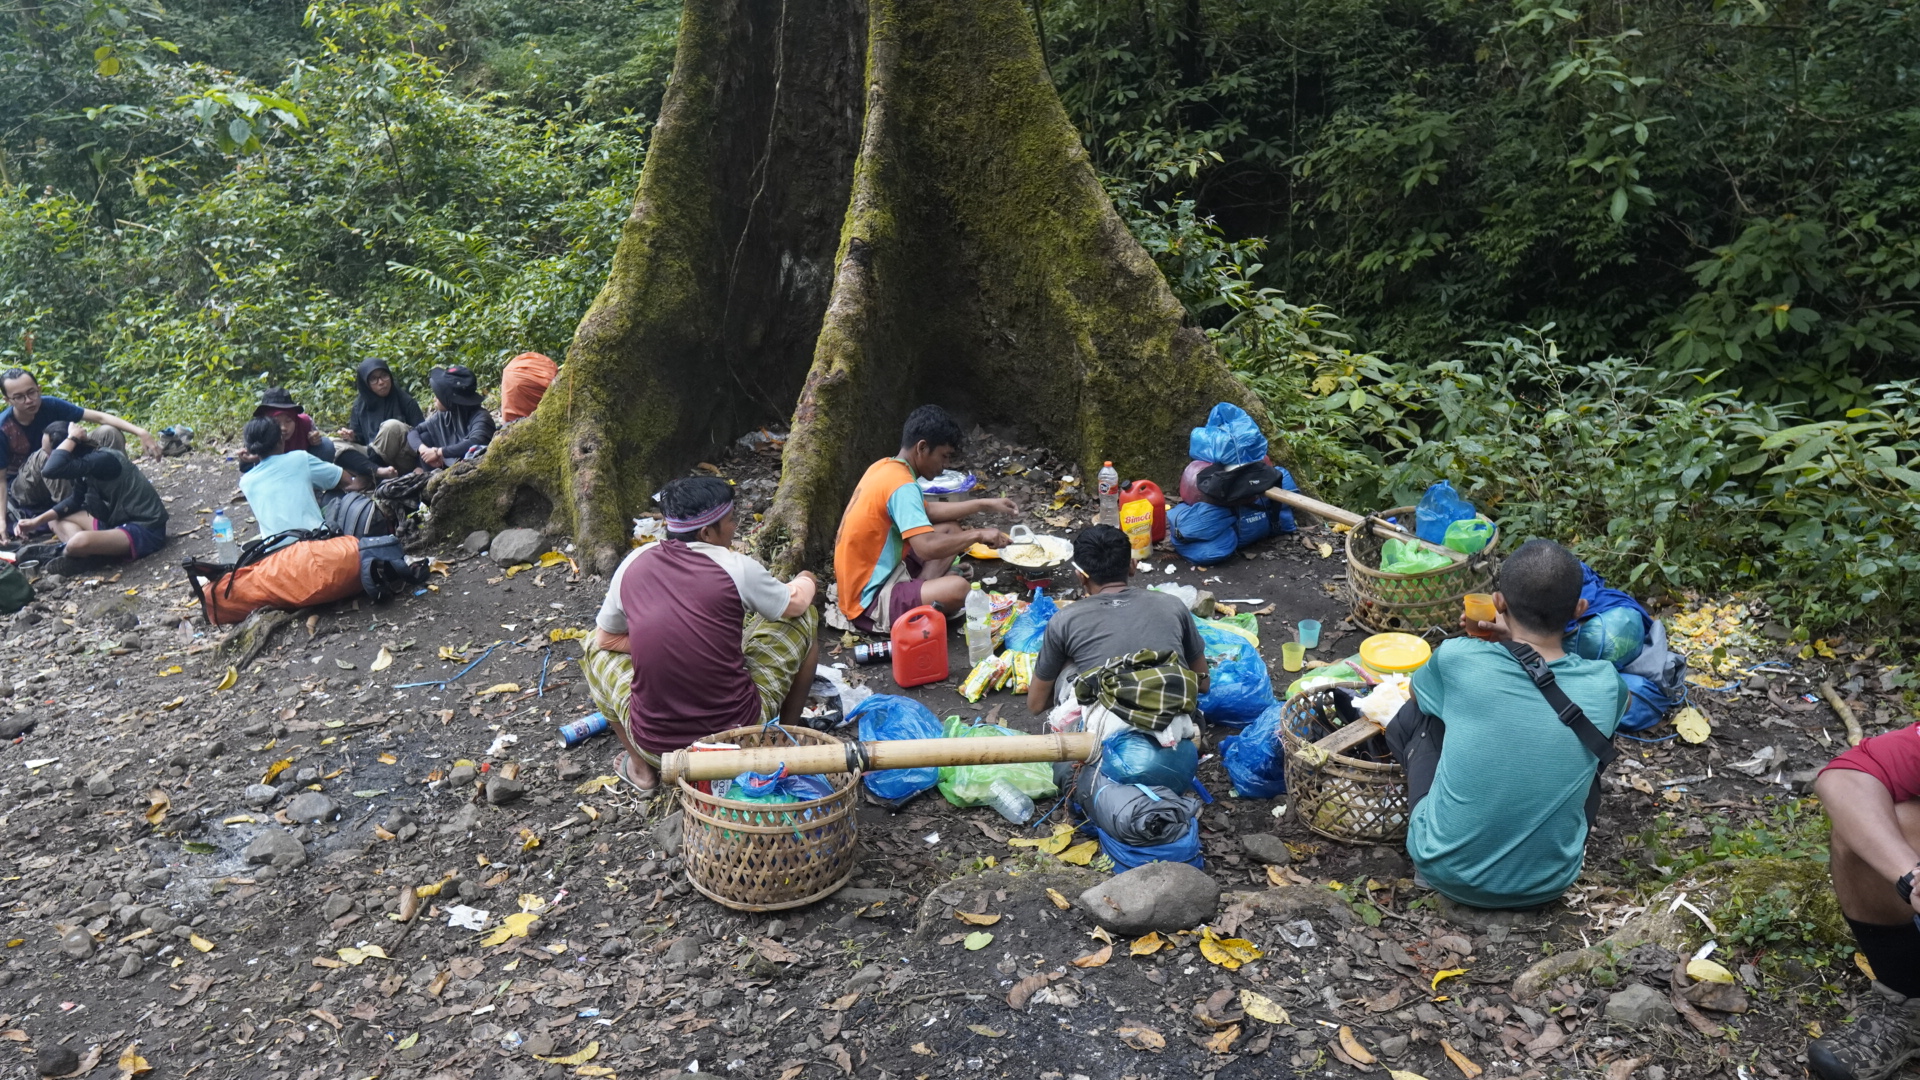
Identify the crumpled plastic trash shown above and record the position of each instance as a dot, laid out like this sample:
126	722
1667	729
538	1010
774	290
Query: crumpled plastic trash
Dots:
1760	763
466	918
1385	699
1299	934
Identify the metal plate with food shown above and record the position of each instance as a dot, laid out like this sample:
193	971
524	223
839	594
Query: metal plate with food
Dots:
1034	551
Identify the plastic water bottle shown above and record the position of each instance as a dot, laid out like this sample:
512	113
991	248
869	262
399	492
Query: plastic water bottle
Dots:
579	731
223	546
979	627
1109	495
1010	802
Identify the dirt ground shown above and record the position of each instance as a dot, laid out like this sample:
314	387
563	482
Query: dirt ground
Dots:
156	941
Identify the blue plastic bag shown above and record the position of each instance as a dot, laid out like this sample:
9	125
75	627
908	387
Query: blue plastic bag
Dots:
1647	705
1230	437
779	787
1203	533
1239	687
1134	757
890	716
1440	507
1030	626
1254	759
1128	856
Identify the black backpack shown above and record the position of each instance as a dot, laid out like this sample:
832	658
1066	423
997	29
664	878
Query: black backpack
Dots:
356	513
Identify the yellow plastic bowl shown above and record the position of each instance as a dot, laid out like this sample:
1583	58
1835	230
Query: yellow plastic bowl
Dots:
1394	654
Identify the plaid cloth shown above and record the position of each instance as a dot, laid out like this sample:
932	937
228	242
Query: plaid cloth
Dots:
1147	689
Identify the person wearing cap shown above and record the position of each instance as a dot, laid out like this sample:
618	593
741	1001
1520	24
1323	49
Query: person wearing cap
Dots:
458	426
25	420
695	638
297	431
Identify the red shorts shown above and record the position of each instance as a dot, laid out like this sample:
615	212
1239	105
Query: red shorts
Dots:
904	597
1892	758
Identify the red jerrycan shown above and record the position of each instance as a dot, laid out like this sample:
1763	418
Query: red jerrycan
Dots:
1150	491
920	647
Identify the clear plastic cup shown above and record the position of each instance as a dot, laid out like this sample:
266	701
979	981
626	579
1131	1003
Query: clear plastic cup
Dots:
1309	631
1292	654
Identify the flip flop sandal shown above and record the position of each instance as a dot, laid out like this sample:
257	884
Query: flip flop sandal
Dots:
622	766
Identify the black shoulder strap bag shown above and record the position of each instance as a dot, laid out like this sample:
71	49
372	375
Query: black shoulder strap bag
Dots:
1597	744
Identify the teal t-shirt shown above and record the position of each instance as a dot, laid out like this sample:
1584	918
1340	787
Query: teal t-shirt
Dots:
1505	824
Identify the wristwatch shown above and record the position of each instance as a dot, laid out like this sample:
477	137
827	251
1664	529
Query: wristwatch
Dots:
1904	885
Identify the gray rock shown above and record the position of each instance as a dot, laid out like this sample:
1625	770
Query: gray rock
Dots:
613	946
684	950
1655	1072
476	542
278	848
158	918
666	836
131	966
1483	919
1393	1046
461	777
56	1060
336	906
1639	1005
261	794
312	806
865	977
308	774
1266	848
501	791
462	821
517	546
539	1044
100	784
1158	896
77	943
565	768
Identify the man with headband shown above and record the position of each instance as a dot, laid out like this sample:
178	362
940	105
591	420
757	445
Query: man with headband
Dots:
695	638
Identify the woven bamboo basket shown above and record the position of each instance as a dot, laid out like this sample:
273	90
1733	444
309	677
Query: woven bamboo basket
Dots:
1339	796
1426	604
761	857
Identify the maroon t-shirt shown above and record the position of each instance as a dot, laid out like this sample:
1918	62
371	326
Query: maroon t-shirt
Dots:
690	679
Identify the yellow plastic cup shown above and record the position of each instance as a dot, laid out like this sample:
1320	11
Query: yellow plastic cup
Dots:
1479	607
1292	654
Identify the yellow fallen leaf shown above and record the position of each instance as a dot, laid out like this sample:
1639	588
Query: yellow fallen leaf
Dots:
383	661
501	688
1059	901
971	919
1222	1041
978	940
1449	973
327	962
986	1032
1263	1008
919	1048
448	652
158	804
579	1057
358	956
429	890
1141	1038
1353	1048
1692	724
226	681
593	1070
517	567
1080	854
237	819
1326	551
552	559
1100	934
1094	959
1460	1061
174	670
1277	879
513	926
1148	945
389	759
1707	971
1860	961
200	943
1825	649
566	633
169	706
440	566
532	902
276	769
131	1063
1229	953
1048	845
1403	1074
528	841
598	783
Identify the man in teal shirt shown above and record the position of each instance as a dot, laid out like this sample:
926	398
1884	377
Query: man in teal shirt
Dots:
1499	785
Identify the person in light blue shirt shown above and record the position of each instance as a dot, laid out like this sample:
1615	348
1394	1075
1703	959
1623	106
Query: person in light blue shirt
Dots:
1499	785
281	488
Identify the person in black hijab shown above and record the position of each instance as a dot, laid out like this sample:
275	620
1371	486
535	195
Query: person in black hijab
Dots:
383	414
459	424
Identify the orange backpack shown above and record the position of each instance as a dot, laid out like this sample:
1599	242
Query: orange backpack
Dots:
302	574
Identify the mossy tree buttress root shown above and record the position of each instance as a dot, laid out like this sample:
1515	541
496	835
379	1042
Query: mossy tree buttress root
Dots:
861	208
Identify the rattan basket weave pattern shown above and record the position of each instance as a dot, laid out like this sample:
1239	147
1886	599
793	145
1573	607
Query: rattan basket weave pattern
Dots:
760	857
1426	604
1340	797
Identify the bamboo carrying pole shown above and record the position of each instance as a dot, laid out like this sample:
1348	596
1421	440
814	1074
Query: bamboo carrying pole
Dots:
1354	521
695	765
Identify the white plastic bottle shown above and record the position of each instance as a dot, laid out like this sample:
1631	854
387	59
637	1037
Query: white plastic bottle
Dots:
1010	802
979	625
225	550
1109	495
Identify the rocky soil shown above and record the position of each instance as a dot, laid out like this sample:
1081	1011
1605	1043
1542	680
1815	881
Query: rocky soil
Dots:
311	867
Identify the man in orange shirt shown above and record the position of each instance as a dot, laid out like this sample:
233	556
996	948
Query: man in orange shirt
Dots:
895	551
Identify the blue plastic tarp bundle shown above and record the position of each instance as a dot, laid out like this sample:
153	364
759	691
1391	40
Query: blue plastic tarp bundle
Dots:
1239	687
1254	759
1616	628
890	716
1230	437
1129	856
1206	533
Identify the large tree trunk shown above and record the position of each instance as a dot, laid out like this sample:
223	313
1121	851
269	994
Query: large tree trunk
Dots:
931	231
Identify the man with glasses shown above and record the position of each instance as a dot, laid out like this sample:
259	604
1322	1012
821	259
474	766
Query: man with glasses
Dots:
25	420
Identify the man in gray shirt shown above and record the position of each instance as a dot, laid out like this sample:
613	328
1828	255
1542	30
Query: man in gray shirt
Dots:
1115	619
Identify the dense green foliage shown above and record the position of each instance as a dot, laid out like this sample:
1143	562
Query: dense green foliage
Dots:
198	203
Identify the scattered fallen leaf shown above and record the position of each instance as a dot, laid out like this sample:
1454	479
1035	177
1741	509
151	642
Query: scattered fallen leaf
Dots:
1623	1069
580	1057
1049	845
501	688
1080	854
383	661
566	633
409	903
593	1070
1403	1074
1263	1008
174	670
1351	1046
13	1035
200	943
984	1030
1439	976
327	962
157	806
922	1049
1460	1060
842	1004
552	559
1707	971
1027	987
598	783
1692	724
1148	945
1141	1038
389	759
513	926
1860	961
428	890
528	840
1229	953
362	954
169	706
1326	551
517	567
131	1063
1276	878
971	919
1222	1041
1059	901
226	681
276	769
1094	959
978	940
448	652
1100	934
